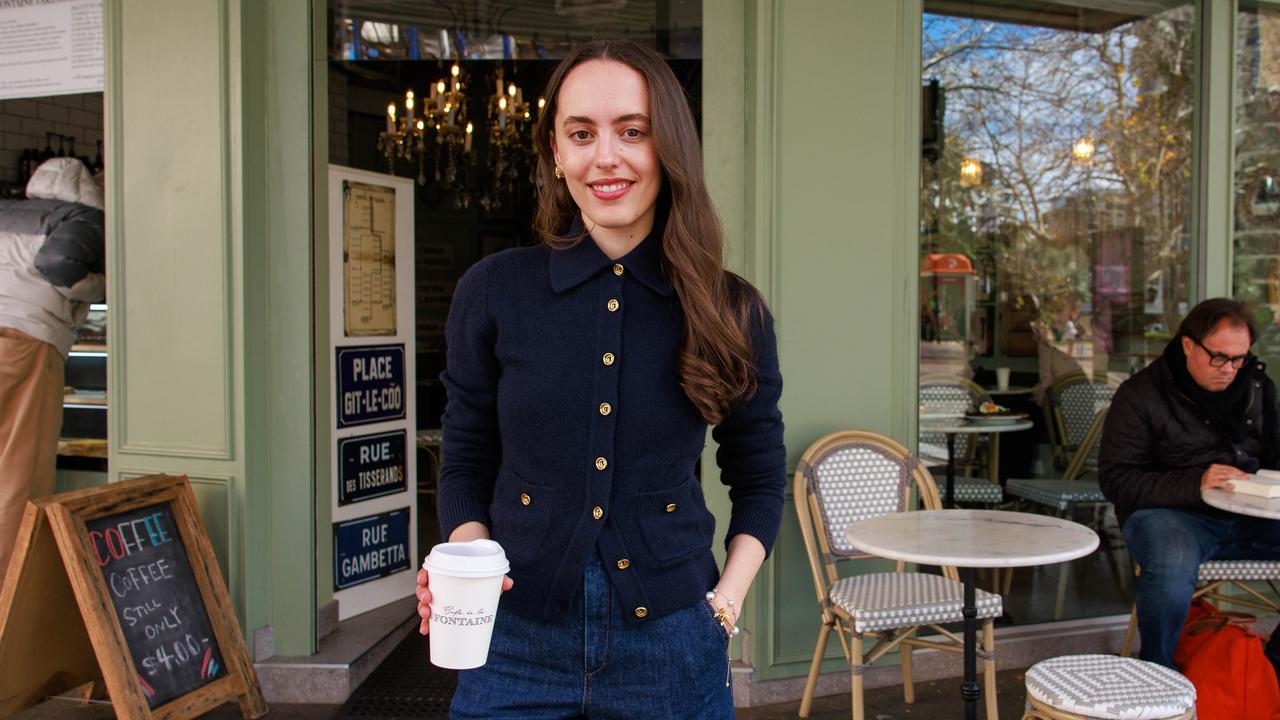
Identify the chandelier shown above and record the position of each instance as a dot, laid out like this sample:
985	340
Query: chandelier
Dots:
437	131
441	134
510	149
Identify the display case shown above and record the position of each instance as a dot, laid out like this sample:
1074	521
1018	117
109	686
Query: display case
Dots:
83	441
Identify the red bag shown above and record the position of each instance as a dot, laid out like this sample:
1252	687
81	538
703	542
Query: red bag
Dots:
1222	657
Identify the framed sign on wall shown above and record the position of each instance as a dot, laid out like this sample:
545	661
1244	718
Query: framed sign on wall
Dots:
371	329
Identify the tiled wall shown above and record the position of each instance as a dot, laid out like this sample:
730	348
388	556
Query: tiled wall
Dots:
23	124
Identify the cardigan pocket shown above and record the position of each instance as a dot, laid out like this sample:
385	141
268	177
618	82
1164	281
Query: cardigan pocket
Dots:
675	523
521	513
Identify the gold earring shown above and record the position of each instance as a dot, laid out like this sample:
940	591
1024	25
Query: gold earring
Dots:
559	173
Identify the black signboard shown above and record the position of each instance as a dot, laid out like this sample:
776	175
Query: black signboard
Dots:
157	602
371	466
370	384
369	548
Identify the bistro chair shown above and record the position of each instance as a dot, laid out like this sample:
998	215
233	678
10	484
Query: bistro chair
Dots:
958	395
1062	496
1106	687
1070	404
853	475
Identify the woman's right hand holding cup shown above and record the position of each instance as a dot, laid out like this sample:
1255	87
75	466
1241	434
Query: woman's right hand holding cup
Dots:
463	533
424	599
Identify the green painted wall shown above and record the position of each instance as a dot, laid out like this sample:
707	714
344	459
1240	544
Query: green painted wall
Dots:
1214	198
724	158
827	211
209	258
175	375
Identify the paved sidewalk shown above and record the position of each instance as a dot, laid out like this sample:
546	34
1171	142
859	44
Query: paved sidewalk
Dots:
934	699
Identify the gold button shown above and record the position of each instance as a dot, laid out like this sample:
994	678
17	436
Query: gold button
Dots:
597	512
525	499
623	564
617	268
671	507
642	612
605	408
608	358
613	305
601	463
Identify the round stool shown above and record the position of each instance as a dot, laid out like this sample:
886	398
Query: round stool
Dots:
1106	687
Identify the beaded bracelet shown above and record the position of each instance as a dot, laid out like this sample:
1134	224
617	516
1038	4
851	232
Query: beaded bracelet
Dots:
722	614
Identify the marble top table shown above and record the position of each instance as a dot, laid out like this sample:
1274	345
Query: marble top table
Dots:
969	539
952	426
1242	503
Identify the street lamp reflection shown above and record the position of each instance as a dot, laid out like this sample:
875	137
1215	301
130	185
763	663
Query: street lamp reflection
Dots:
1083	149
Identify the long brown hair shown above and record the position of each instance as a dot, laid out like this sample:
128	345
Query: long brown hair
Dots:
716	371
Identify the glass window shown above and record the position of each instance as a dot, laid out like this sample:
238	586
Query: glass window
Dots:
1055	226
541	29
1257	172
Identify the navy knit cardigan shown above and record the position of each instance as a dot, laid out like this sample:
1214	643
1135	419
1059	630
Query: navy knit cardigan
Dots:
567	432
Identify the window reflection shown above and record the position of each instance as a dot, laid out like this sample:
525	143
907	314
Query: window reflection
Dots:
1257	172
1064	176
1056	176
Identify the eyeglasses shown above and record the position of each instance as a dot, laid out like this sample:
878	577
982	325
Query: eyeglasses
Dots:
1217	359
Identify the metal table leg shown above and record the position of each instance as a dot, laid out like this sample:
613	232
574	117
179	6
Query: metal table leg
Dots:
950	499
970	690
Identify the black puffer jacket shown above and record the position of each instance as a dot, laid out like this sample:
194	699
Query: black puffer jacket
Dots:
1157	443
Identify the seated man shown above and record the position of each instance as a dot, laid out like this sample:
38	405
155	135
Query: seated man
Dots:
1198	417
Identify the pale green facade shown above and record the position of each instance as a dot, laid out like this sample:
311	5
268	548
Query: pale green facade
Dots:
219	347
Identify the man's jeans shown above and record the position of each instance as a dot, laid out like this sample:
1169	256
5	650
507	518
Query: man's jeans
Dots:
1169	546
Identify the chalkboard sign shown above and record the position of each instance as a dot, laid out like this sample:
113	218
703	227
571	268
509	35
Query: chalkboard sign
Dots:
157	602
151	604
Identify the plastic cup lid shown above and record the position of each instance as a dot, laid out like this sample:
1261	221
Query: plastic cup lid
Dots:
473	559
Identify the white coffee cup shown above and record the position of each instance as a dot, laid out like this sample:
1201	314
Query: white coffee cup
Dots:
466	582
1002	378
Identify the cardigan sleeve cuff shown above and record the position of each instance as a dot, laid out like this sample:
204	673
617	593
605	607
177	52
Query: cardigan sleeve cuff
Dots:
459	511
759	522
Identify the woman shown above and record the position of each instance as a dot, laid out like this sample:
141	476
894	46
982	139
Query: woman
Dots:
582	375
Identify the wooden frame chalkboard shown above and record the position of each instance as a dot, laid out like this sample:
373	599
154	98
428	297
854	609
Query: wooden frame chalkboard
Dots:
151	602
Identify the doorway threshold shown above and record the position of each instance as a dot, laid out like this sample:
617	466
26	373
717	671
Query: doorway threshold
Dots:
344	659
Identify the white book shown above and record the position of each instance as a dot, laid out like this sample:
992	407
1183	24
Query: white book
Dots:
1266	483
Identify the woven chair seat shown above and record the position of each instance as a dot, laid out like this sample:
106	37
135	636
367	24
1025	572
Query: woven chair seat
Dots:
1055	493
891	600
1107	687
974	491
970	490
1214	570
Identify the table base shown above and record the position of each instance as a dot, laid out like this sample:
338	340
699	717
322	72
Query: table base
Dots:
970	690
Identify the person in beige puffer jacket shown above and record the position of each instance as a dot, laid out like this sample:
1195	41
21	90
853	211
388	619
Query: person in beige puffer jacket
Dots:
52	264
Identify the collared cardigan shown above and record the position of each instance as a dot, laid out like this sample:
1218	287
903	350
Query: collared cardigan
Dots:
567	433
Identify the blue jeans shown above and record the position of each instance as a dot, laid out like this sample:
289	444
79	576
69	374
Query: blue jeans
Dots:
594	663
1169	545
